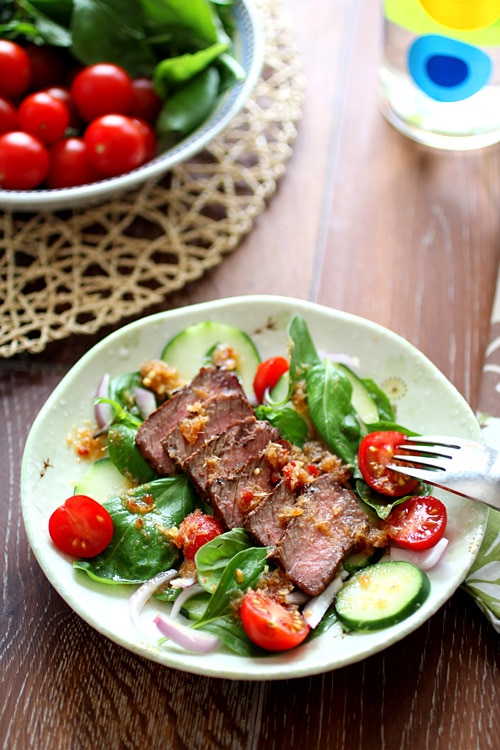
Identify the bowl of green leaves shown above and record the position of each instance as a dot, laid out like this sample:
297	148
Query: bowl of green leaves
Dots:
197	61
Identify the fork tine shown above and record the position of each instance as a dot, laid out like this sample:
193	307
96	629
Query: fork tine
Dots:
422	475
421	461
440	440
427	450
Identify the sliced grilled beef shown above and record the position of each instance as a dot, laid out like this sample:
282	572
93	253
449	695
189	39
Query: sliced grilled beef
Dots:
315	542
209	382
267	522
205	420
225	455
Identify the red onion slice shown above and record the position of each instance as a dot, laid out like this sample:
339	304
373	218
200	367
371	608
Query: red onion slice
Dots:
145	400
191	640
426	559
186	594
146	591
316	607
103	412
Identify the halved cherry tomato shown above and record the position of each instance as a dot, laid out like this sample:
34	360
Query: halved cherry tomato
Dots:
418	523
196	530
271	625
81	527
267	375
377	450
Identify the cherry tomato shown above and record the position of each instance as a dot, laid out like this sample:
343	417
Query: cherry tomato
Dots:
418	523
146	104
81	527
196	530
8	116
101	89
149	138
48	65
64	95
377	450
24	161
267	375
271	625
15	69
115	144
69	164
44	116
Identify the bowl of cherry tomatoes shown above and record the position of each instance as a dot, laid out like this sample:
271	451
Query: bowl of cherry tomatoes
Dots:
89	112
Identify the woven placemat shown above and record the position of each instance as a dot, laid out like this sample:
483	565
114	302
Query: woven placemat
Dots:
77	271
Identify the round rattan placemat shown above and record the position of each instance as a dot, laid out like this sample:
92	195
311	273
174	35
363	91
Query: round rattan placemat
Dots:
77	271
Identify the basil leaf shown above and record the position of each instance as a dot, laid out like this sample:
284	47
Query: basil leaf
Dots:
329	401
290	423
242	572
303	353
140	548
212	559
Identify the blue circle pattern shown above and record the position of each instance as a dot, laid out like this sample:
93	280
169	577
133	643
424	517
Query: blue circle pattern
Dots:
448	70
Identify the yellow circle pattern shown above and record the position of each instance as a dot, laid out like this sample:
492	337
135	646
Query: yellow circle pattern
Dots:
466	15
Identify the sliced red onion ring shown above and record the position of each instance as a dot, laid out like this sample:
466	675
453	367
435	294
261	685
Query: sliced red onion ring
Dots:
426	559
191	640
145	400
186	594
316	607
146	591
103	412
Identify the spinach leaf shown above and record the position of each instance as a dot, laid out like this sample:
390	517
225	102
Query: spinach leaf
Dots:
125	454
196	15
50	21
140	548
381	504
121	390
114	31
290	423
232	634
213	558
241	573
329	401
389	426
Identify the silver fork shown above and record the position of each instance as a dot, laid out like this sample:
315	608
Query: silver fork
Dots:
458	465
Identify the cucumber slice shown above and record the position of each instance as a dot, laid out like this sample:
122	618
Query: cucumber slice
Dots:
102	481
362	560
382	595
279	394
361	398
188	349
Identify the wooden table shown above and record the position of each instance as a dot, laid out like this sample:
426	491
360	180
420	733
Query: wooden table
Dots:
364	221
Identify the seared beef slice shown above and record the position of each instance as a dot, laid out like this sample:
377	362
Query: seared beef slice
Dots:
268	521
205	420
209	382
226	454
330	526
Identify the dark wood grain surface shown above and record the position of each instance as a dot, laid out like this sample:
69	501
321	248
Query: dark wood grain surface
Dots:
365	221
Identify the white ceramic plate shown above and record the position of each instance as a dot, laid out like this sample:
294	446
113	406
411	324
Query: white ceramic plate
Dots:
428	403
249	52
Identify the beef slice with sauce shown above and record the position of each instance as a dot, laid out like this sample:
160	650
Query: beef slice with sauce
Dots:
205	420
227	454
209	382
330	526
268	521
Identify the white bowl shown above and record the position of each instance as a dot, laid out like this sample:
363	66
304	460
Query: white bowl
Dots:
248	50
427	403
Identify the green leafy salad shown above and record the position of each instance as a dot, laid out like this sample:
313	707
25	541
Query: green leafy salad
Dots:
373	530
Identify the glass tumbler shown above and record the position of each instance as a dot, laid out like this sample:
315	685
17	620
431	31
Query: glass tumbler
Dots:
440	73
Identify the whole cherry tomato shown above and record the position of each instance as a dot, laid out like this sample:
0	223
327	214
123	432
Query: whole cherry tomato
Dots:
44	116
48	64
146	104
81	527
271	625
8	115
196	530
24	161
15	69
377	450
69	164
101	89
149	138
115	144
64	95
